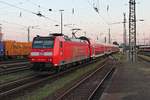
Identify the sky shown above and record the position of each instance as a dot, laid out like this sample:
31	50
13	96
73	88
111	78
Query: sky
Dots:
17	15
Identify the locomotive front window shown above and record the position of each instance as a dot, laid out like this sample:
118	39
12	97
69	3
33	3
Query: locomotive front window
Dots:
43	43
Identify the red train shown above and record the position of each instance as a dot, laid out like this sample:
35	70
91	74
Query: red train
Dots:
56	51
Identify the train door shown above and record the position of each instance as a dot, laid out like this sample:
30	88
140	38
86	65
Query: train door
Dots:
61	53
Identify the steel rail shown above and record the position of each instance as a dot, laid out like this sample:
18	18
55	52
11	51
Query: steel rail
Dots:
80	82
144	58
13	70
5	85
12	64
38	81
100	84
13	61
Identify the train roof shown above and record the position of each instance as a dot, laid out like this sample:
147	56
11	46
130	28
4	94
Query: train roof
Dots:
107	44
80	39
144	46
66	38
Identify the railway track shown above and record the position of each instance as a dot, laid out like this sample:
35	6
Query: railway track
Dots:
9	70
9	85
87	87
13	61
144	57
9	65
16	79
20	85
95	94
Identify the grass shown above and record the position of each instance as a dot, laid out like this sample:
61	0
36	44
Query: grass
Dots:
50	88
145	57
14	76
120	57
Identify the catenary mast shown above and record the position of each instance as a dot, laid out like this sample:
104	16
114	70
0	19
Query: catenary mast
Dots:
132	31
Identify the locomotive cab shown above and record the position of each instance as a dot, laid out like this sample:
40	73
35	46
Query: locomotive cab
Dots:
44	50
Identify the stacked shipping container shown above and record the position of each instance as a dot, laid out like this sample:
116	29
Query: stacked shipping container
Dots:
13	49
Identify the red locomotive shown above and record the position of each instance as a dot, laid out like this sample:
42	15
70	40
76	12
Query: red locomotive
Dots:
57	50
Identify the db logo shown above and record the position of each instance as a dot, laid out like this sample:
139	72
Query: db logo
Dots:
41	53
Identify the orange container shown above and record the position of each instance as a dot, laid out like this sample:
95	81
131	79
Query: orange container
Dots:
13	48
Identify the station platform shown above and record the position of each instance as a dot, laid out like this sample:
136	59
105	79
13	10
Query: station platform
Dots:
129	82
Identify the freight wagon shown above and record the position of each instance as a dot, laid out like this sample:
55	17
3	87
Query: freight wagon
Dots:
1	50
13	49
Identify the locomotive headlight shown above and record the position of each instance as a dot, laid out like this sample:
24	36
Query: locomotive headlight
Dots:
34	53
47	53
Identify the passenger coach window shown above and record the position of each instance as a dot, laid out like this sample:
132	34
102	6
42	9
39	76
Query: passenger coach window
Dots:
61	44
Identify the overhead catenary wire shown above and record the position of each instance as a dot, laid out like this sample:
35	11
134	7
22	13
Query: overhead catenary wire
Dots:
12	23
39	14
104	20
47	9
19	25
37	5
3	2
26	10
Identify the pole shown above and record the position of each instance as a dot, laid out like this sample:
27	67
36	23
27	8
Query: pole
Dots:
0	29
61	19
132	31
124	33
1	34
105	39
144	39
109	37
61	23
29	34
